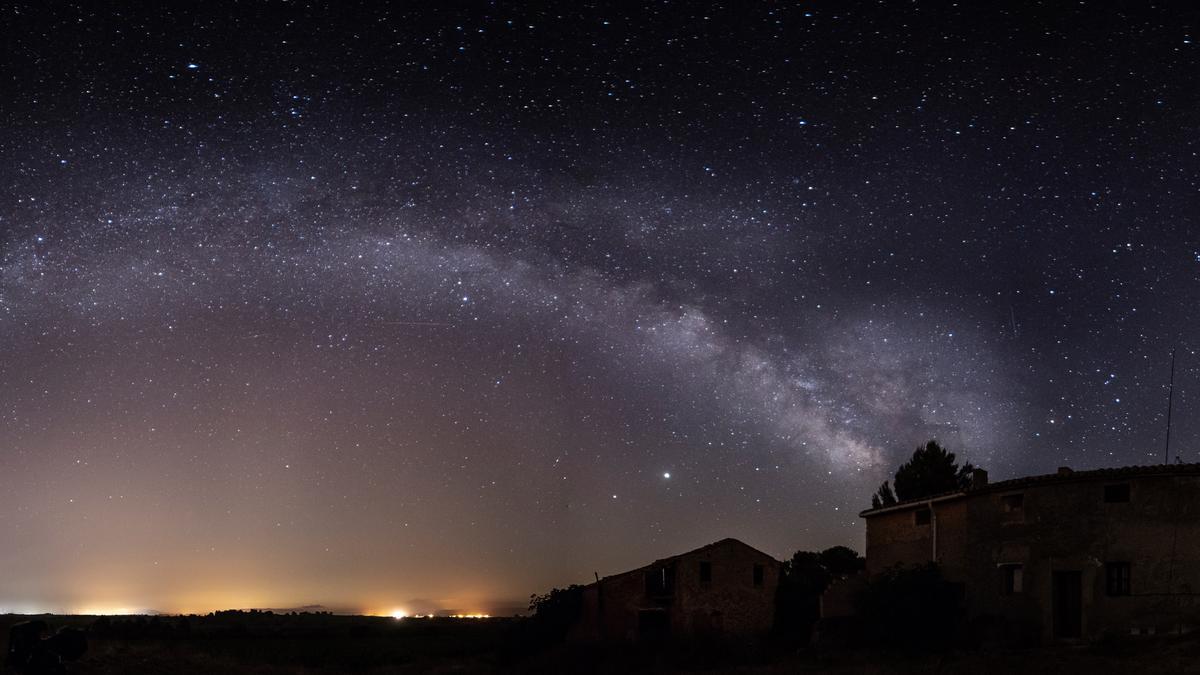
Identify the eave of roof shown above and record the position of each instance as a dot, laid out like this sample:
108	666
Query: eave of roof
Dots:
913	503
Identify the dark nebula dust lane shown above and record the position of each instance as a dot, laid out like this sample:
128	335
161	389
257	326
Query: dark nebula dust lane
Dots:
383	308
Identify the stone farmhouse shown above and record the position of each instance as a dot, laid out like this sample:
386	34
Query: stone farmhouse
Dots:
1074	554
723	590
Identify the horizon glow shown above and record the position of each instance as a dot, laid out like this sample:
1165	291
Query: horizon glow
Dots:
434	316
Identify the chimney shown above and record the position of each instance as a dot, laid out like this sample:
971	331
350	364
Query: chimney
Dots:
978	478
1065	471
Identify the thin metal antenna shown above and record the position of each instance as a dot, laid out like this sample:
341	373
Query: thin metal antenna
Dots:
1170	404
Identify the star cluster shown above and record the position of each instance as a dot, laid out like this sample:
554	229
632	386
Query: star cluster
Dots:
388	305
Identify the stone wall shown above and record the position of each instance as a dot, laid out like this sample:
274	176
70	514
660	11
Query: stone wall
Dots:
897	538
730	604
1063	525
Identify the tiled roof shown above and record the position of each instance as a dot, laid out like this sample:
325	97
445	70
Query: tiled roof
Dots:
1115	473
1068	476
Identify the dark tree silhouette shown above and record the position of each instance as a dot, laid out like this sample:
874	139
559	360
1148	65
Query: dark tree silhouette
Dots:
554	612
804	578
841	561
883	496
931	470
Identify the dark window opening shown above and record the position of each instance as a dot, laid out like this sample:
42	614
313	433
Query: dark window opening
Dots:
705	572
922	516
758	575
660	581
1014	579
1117	493
1012	503
1117	578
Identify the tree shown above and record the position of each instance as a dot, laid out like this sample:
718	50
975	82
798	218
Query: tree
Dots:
554	612
883	496
553	615
842	561
931	470
804	578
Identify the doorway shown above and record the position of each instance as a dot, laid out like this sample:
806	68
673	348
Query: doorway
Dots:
1068	604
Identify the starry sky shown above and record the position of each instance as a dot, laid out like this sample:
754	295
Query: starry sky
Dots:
431	307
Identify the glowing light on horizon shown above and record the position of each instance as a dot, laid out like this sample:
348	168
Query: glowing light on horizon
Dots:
106	611
399	614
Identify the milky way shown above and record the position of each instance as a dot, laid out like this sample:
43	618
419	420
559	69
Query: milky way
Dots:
434	310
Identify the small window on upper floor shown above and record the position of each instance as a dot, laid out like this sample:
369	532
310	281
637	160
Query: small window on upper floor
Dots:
1117	493
705	572
758	575
922	517
1012	503
660	581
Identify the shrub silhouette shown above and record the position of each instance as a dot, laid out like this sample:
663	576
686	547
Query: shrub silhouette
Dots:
554	612
913	608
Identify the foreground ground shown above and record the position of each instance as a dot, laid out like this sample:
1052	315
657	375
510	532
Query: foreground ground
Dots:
323	645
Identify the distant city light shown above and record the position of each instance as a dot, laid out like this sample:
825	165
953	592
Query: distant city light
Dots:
399	614
102	610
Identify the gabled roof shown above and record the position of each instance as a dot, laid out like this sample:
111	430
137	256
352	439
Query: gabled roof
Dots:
1064	475
728	541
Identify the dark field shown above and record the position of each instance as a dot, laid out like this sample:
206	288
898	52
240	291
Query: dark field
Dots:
314	644
268	644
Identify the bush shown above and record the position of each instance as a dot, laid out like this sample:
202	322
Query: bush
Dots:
912	608
556	611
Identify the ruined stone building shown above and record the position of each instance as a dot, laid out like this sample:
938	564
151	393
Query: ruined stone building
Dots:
1066	555
724	589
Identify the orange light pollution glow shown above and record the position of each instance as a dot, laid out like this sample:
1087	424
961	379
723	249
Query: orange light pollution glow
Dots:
103	590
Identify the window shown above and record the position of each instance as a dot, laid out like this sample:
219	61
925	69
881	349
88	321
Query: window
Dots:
922	516
758	575
1117	493
1014	579
1012	503
660	581
1117	577
705	572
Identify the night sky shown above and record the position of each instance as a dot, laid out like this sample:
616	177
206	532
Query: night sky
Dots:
408	307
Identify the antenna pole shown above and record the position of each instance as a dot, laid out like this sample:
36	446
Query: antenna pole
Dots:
1170	404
